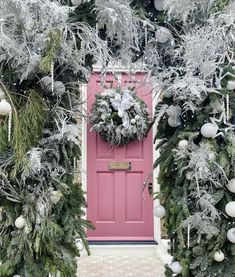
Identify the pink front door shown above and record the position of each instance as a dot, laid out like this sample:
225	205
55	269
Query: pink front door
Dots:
116	204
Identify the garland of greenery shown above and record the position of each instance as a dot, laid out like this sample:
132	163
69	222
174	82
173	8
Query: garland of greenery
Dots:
119	116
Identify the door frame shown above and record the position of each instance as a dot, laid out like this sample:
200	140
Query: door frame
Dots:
156	188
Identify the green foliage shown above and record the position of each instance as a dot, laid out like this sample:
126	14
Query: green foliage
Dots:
29	119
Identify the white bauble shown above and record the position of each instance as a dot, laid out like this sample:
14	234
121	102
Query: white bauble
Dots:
46	83
219	256
174	111
176	267
168	94
174	121
159	5
5	107
133	121
209	130
163	34
55	196
159	211
79	244
2	94
183	144
230	209
59	88
231	85
17	275
137	117
20	222
231	235
231	185
76	2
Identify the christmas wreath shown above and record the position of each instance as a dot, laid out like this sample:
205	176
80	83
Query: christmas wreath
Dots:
119	116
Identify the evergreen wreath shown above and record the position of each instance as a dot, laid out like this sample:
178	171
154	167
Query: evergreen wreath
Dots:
119	116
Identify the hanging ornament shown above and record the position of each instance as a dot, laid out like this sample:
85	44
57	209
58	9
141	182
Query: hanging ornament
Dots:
231	185
231	85
219	256
159	211
59	88
167	93
20	222
5	107
55	196
163	35
209	130
231	235
159	5
79	244
2	94
46	83
183	144
76	2
230	209
176	267
174	121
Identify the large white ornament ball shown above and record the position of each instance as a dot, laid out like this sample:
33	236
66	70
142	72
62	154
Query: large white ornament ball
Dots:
183	144
231	235
59	88
133	121
174	121
209	130
163	34
5	107
176	268
79	244
20	222
159	5
231	85
159	211
219	256
2	94
231	185
230	209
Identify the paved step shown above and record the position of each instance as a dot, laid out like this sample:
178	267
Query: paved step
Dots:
121	261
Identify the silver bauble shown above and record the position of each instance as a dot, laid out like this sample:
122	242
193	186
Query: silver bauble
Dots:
231	185
159	211
159	5
231	235
183	144
59	88
176	267
163	35
209	130
174	121
219	256
5	107
230	209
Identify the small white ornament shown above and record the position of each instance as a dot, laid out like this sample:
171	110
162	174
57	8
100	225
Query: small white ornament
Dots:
59	88
20	222
17	275
5	107
174	121
137	117
159	5
231	235
133	121
76	2
55	196
209	130
79	244
230	209
163	35
159	211
231	85
231	185
183	144
176	267
167	93
219	256
2	94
